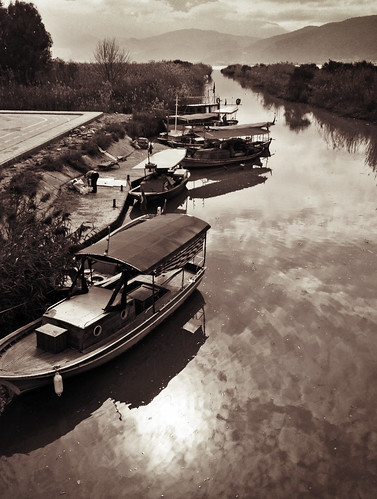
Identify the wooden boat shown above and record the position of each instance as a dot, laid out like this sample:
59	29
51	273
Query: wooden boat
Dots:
229	145
126	284
227	152
166	352
165	180
189	128
243	130
187	136
226	115
195	137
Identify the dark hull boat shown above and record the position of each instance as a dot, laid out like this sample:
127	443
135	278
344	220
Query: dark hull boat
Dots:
165	180
225	153
126	285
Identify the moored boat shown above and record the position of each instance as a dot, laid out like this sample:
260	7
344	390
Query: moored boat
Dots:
165	178
126	284
227	152
229	145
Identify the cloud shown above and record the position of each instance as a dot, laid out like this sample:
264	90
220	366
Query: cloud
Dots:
186	5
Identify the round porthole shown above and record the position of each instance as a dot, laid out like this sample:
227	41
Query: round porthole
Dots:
123	314
97	330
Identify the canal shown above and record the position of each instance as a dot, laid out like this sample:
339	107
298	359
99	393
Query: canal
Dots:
263	385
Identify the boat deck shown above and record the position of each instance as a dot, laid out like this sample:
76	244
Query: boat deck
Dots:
158	184
23	357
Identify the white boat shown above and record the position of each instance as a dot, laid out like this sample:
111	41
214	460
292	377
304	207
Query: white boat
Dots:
126	284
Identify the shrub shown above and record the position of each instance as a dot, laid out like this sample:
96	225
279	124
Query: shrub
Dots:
34	251
145	124
50	163
117	130
75	160
100	139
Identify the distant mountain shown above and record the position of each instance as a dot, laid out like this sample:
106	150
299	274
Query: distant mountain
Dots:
350	40
194	45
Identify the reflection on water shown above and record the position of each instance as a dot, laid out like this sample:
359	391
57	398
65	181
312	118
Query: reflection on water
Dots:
339	133
346	134
134	379
280	399
214	182
296	117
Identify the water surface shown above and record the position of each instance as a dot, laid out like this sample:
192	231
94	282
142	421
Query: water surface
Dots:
275	394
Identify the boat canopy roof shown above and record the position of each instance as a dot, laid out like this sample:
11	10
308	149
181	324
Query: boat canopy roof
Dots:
151	243
196	117
164	160
227	132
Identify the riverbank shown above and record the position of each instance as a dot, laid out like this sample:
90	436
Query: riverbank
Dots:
67	162
44	216
348	90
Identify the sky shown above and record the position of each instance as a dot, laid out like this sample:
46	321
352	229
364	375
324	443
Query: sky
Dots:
76	26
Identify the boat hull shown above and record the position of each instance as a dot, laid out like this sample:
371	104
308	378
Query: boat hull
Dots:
192	162
23	383
156	197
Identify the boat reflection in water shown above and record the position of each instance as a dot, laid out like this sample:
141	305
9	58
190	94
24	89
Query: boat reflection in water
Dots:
134	379
210	183
220	181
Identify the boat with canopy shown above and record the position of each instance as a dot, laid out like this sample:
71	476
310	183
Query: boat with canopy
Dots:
229	145
126	284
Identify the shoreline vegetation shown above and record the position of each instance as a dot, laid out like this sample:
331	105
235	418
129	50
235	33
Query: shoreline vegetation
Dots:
346	89
35	240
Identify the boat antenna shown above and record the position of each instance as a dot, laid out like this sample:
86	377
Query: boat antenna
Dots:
176	113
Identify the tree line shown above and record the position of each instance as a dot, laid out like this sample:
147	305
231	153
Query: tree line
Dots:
348	89
31	79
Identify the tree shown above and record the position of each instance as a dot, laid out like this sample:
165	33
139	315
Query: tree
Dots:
111	60
3	19
34	250
25	45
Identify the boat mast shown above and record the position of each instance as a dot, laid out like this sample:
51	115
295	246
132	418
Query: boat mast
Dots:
176	113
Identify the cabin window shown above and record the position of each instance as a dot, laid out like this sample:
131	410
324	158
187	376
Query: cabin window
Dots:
97	330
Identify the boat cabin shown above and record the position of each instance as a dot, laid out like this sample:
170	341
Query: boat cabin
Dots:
124	279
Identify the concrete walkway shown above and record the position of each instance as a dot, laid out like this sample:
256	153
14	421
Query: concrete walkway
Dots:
24	132
98	210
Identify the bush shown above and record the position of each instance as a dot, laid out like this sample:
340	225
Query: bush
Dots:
117	130
145	124
52	164
34	251
100	139
75	160
349	89
78	87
